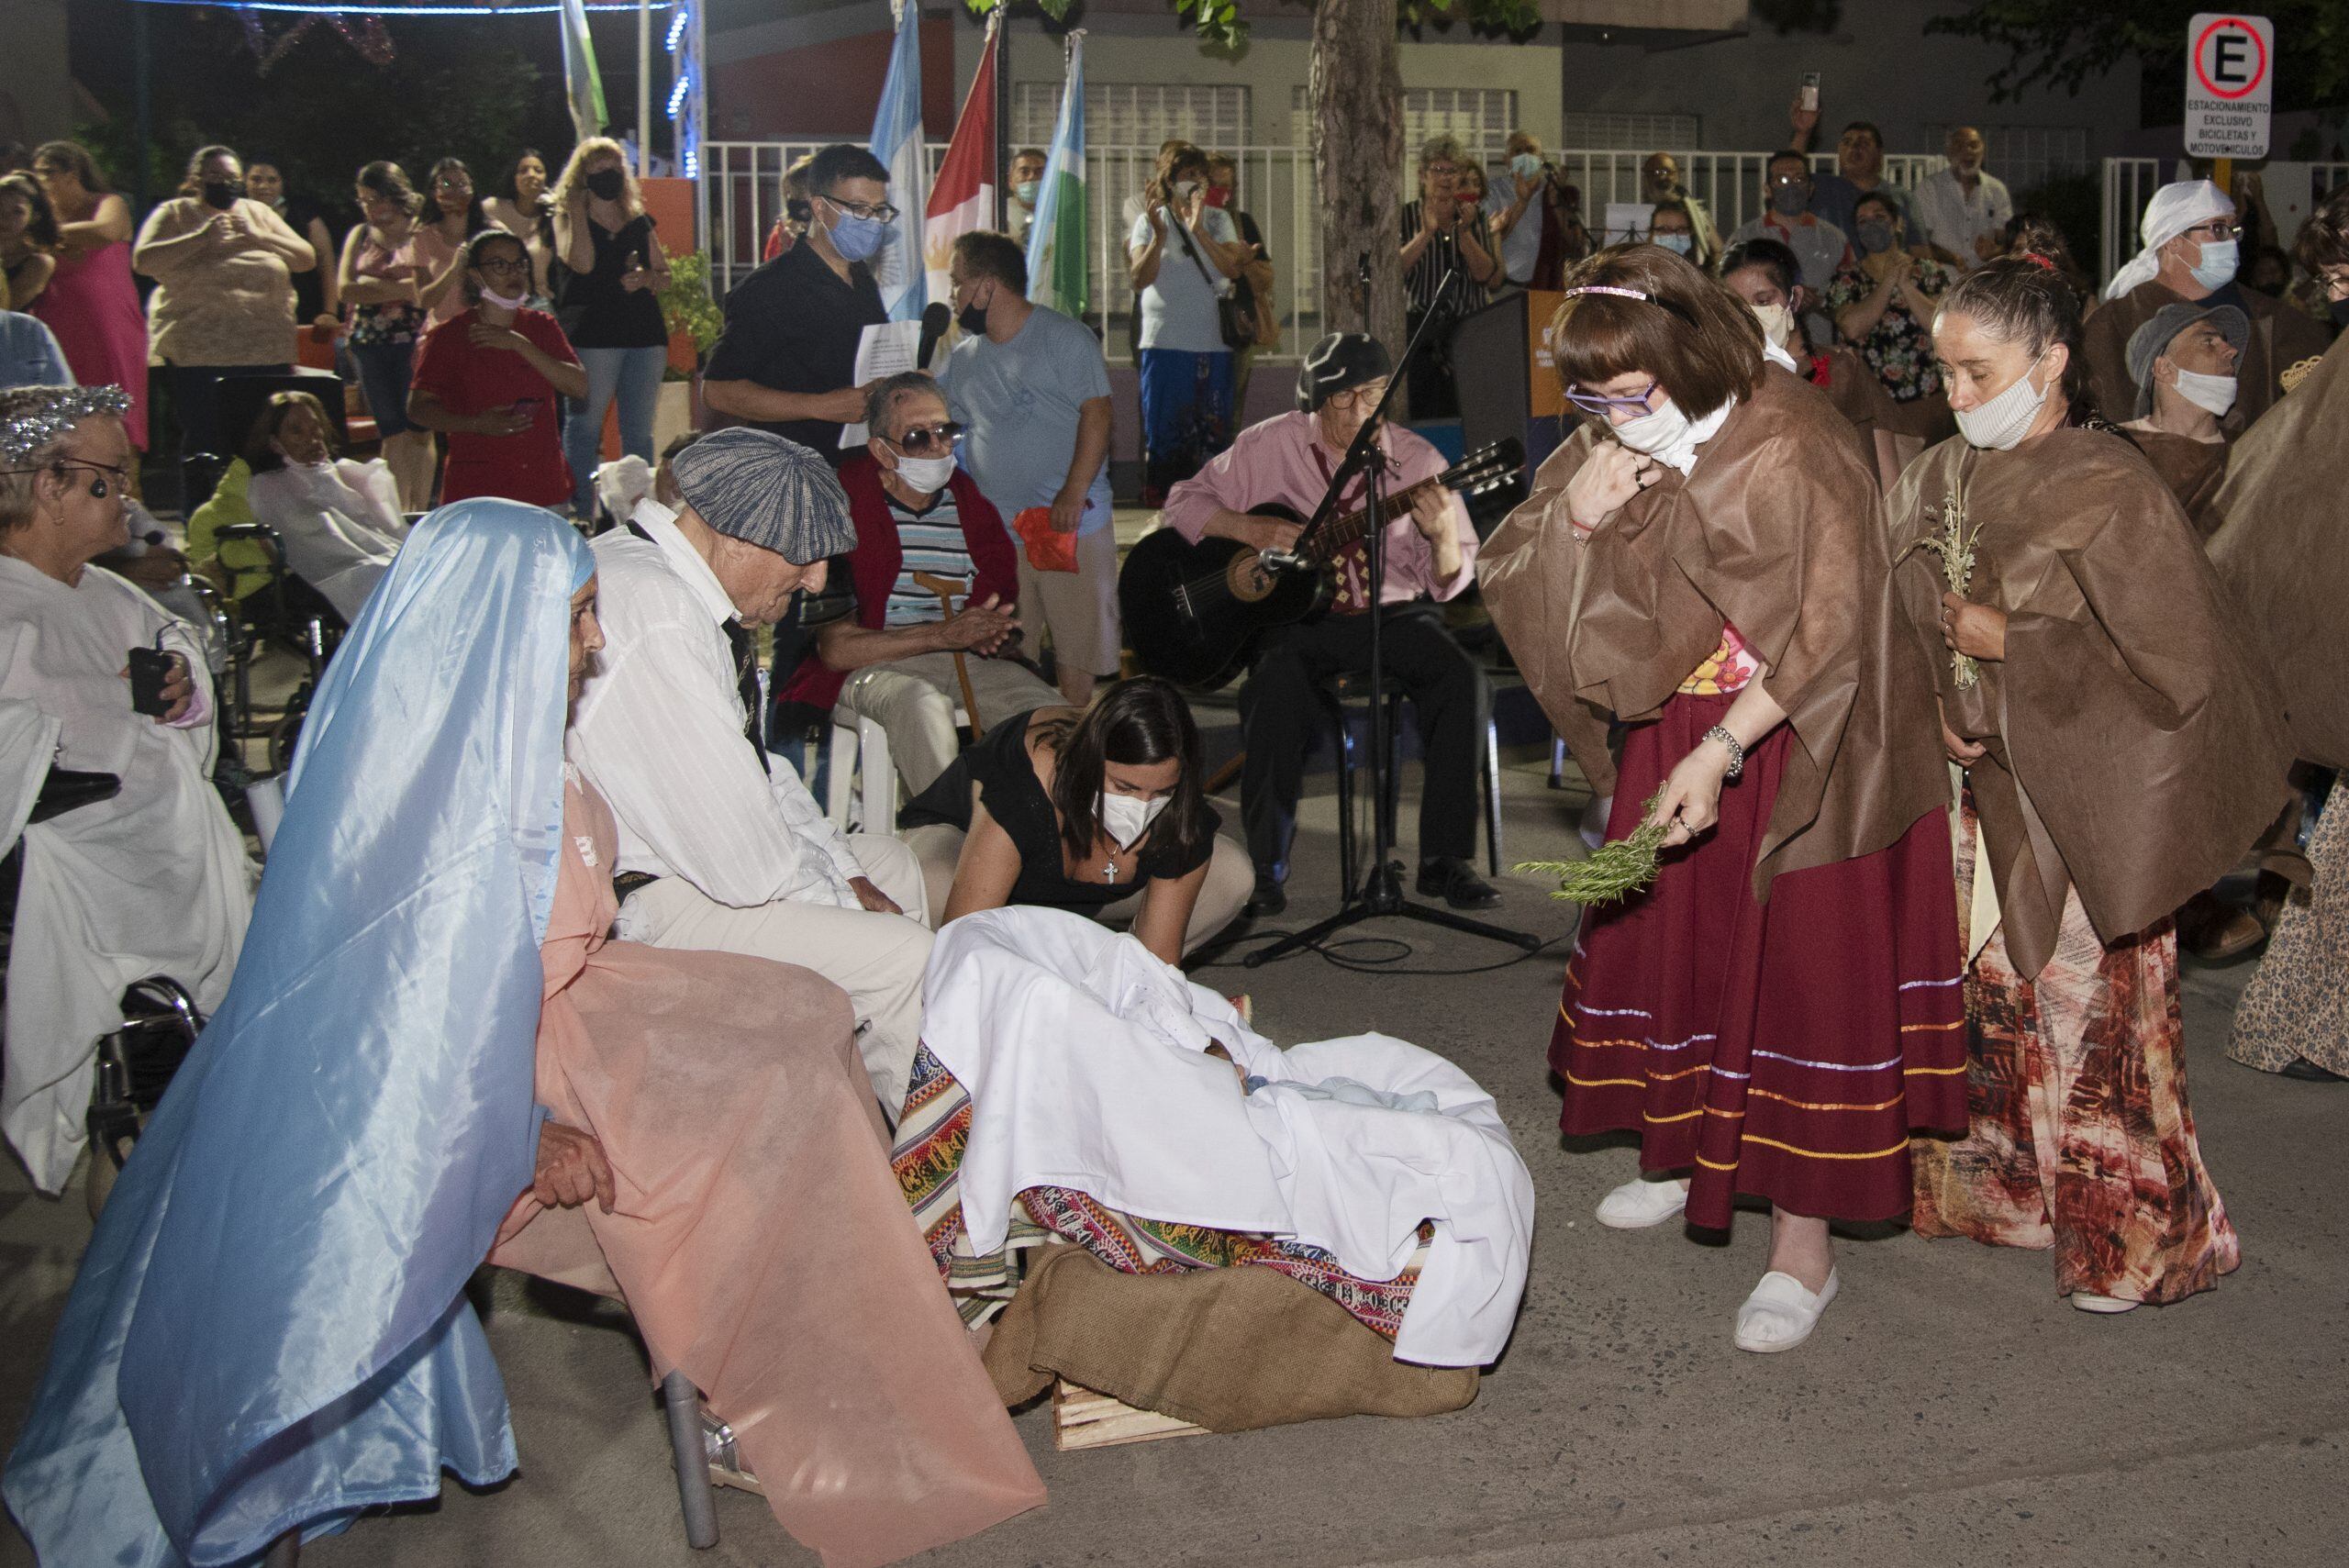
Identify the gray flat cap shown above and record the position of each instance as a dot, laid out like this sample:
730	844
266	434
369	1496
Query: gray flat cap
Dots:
763	490
2148	342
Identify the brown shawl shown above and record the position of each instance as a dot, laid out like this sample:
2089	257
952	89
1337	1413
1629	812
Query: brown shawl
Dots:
2280	337
2281	543
2191	469
1778	531
2136	744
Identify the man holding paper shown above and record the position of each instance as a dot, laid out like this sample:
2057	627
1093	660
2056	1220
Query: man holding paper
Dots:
788	360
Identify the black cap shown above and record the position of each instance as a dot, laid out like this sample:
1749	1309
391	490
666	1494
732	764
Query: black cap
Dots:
1341	360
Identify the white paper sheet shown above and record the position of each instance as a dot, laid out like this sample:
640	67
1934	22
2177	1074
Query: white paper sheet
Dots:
887	348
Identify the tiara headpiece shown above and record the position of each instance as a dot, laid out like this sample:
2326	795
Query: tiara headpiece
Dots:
25	434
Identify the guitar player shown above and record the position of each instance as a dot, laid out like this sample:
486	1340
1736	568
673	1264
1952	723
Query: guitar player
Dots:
1431	556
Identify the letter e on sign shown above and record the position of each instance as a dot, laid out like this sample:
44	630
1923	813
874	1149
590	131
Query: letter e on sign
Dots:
2230	85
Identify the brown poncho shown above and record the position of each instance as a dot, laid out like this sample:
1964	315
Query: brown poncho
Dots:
2280	337
1779	532
2281	543
2136	744
2192	470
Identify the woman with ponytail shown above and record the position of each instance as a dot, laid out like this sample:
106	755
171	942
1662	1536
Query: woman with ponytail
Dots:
2122	745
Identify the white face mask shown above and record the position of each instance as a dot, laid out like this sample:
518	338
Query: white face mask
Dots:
1126	817
1778	322
503	301
927	474
2000	424
2213	393
1665	435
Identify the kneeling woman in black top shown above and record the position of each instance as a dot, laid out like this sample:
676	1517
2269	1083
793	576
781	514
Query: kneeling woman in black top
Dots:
1100	812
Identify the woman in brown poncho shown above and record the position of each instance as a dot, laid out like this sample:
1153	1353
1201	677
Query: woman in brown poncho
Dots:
1705	562
2122	747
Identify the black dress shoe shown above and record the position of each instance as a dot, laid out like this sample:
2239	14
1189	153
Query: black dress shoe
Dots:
2308	1071
1455	882
1270	898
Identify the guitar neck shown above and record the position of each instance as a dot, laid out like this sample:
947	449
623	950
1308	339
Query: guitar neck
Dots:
1340	532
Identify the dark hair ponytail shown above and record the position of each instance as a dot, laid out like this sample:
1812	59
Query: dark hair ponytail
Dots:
1135	723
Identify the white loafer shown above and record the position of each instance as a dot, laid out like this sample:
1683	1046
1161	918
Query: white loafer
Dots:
2107	1305
1640	1203
1780	1314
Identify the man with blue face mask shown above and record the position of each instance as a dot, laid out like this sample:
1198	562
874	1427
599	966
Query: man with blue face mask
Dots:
786	362
2193	245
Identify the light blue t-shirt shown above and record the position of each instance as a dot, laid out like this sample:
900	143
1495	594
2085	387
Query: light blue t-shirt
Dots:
28	353
1521	246
1178	307
1019	402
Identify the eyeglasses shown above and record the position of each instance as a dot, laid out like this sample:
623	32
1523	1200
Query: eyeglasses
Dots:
1598	404
1441	170
122	477
879	212
2214	229
922	438
1779	180
502	265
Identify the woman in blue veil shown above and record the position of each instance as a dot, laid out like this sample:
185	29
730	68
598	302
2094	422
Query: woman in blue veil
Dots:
268	1330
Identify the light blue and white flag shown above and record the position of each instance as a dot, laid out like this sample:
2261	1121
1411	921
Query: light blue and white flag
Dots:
1057	271
897	142
582	84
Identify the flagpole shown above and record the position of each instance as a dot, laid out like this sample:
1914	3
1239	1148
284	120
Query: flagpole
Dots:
643	88
1002	116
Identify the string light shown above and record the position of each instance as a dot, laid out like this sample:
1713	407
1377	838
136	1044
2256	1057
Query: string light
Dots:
678	94
677	21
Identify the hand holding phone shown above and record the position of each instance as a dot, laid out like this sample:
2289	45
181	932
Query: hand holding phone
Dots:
150	671
1808	99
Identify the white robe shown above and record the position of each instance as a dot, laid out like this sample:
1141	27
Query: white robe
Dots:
154	881
1083	1056
338	521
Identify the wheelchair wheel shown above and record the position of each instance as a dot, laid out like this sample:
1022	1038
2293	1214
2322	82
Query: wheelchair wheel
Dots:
286	733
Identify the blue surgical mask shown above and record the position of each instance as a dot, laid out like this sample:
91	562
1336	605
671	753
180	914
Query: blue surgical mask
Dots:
857	238
1026	192
1525	165
1678	244
2216	267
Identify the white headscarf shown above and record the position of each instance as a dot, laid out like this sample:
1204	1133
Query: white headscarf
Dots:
2174	210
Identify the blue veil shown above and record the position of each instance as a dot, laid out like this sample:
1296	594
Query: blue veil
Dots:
268	1329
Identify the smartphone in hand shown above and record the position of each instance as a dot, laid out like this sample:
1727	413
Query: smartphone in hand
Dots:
1810	97
149	669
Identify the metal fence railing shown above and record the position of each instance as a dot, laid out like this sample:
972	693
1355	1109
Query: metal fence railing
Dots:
2130	184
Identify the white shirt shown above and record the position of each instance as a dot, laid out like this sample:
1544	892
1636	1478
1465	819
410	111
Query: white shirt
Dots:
1952	220
339	522
658	733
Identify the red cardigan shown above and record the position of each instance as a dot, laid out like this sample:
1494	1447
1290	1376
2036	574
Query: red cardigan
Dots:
878	558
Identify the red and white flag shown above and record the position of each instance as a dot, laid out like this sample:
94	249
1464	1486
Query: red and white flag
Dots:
963	196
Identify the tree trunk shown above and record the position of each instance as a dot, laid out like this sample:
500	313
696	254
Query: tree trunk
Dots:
1356	92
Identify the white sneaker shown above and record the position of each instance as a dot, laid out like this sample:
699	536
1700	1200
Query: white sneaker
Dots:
1640	1203
1780	1314
2089	1301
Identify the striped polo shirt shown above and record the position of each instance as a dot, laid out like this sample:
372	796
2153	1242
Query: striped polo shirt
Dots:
933	541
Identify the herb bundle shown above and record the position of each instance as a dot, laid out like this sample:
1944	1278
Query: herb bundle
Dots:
1954	545
1614	871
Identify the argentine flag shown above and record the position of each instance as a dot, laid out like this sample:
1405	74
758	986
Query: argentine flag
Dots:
896	142
1057	274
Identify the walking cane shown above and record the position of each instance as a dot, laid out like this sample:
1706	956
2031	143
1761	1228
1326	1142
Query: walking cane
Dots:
946	588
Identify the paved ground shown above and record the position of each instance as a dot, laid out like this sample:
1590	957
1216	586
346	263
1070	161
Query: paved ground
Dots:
1949	1410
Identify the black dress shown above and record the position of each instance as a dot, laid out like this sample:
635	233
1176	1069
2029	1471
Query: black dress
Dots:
595	311
1014	797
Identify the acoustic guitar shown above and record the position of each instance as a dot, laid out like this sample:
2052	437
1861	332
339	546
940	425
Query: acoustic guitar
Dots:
1194	612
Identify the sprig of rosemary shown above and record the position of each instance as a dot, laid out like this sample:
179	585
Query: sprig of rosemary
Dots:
1954	545
1614	871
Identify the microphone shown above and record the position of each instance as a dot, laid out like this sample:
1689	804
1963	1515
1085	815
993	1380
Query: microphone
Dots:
934	322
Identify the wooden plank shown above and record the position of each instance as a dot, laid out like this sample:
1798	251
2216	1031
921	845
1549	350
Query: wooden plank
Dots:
1083	1419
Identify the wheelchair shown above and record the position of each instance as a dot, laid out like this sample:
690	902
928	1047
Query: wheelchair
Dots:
285	613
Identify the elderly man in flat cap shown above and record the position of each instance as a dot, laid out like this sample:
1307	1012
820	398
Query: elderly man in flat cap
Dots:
721	846
2183	361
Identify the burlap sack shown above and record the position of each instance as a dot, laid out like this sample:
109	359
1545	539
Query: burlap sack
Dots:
1229	1350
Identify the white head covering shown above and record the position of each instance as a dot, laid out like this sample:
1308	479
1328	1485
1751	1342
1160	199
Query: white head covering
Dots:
2174	210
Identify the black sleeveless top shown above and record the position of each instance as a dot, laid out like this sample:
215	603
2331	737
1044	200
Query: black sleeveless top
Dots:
1015	797
596	313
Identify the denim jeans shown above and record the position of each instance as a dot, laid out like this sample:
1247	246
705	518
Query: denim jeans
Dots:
633	375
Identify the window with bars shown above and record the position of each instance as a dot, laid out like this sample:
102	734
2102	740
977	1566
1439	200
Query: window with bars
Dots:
1129	114
2026	155
1602	132
1481	118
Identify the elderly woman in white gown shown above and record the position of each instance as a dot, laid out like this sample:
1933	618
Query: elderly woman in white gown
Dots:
152	881
338	520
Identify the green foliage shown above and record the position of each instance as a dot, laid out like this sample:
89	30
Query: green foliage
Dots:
1219	22
2064	43
1614	871
685	305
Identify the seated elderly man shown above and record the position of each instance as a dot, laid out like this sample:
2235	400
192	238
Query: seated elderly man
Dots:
720	845
884	647
153	879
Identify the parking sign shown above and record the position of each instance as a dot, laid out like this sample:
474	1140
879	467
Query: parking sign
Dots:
2230	85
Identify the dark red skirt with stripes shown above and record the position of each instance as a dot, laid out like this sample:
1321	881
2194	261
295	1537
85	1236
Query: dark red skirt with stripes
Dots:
1785	1052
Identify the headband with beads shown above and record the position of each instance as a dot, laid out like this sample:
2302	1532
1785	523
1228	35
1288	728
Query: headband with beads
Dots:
1620	292
27	433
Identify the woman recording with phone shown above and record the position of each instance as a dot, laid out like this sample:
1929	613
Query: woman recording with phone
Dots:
488	377
1182	258
224	268
609	303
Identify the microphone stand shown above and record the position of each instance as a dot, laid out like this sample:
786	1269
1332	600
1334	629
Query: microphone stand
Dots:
1380	892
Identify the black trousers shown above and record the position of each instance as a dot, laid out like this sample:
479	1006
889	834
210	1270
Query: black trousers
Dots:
1280	712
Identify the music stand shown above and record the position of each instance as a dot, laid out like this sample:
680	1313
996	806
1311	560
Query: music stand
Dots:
1380	892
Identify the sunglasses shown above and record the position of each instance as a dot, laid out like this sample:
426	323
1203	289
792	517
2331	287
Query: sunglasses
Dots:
1598	404
924	438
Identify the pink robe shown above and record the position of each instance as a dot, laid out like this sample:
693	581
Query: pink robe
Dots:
92	304
759	1237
